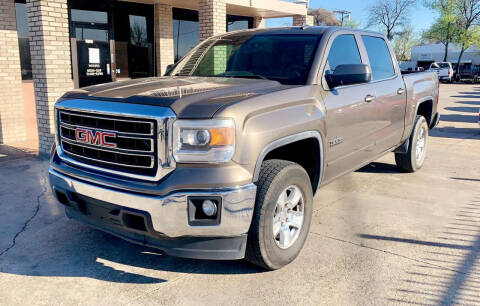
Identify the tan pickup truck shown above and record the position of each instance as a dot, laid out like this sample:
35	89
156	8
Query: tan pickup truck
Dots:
221	157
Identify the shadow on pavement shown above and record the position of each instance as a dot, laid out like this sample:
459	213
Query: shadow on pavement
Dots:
448	273
469	102
467	96
99	255
454	132
377	167
463	109
8	153
459	118
465	179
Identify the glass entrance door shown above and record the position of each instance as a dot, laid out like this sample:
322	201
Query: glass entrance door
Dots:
92	39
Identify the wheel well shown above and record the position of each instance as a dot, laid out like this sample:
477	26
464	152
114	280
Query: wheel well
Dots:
304	152
425	109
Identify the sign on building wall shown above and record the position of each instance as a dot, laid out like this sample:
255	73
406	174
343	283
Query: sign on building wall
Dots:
425	57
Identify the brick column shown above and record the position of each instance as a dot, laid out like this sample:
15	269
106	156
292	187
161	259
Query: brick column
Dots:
212	18
163	37
51	65
12	121
310	20
300	20
258	22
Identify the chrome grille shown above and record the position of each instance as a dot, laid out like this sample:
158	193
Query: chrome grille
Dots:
133	144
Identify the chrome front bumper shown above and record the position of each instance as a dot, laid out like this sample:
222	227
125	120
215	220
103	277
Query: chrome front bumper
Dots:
169	213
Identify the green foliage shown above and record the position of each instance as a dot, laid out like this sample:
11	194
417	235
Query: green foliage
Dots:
445	30
469	37
351	23
457	23
403	43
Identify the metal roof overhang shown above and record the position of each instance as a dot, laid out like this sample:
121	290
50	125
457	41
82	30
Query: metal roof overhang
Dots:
252	8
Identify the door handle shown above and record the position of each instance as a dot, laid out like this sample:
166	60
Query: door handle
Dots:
369	98
400	91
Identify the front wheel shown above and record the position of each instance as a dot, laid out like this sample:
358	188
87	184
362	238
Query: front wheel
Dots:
413	160
282	215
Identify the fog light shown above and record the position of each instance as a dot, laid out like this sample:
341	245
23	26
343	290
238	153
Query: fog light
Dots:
209	208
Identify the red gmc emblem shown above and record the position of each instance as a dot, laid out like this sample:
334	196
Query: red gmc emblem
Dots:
96	138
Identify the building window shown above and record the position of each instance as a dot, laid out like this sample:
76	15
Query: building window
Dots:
185	31
138	30
23	42
89	16
134	48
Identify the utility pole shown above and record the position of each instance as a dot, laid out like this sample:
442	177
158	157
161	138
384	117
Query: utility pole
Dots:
343	15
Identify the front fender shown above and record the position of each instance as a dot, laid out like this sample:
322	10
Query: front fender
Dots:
285	141
270	121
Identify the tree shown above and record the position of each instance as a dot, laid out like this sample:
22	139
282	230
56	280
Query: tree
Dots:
445	30
323	17
403	43
351	23
466	39
468	17
390	15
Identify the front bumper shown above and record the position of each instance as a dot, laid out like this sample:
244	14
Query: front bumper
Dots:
166	217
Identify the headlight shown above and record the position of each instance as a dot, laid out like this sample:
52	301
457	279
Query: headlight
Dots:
203	141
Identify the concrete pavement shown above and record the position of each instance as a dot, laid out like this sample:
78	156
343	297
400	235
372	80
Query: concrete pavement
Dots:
377	237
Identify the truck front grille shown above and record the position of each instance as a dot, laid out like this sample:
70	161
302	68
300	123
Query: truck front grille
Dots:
111	142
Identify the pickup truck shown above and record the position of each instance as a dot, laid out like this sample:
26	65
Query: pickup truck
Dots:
444	71
221	157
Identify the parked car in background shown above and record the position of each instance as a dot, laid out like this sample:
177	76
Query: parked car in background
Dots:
221	158
444	71
468	73
413	70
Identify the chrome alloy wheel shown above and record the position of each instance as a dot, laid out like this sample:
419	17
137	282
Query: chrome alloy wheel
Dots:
420	147
288	217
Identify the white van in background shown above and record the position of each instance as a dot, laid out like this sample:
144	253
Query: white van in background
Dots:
444	71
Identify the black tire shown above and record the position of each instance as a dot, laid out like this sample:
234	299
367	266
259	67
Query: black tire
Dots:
275	177
408	162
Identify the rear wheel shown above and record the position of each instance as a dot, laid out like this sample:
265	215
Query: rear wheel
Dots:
282	216
413	160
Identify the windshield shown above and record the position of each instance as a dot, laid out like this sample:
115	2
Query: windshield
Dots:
283	58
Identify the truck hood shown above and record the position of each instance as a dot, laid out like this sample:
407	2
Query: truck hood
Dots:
188	97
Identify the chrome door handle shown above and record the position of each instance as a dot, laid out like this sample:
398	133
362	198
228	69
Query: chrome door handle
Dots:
369	98
400	91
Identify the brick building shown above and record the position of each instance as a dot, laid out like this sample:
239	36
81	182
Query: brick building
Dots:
49	47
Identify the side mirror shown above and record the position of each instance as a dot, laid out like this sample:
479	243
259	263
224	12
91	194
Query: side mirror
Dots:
169	68
348	75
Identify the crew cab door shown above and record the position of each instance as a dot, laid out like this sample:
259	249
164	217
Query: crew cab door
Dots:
390	94
349	111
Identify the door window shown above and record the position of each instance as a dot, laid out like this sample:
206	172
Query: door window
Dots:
344	50
379	57
93	54
82	34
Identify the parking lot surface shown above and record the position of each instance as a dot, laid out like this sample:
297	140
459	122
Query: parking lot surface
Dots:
377	237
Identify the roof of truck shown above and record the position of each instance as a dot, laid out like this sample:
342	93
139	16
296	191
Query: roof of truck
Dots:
307	30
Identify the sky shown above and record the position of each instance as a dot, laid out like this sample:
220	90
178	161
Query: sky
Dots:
421	17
